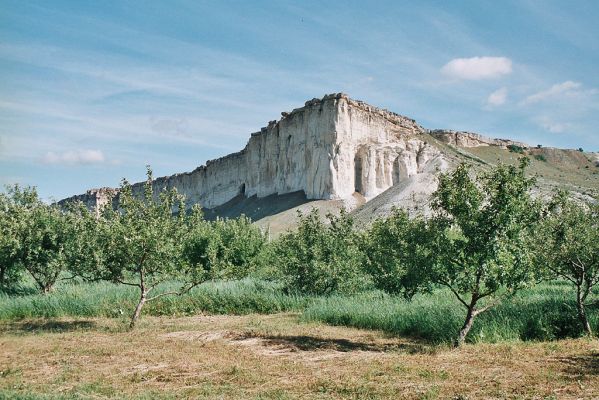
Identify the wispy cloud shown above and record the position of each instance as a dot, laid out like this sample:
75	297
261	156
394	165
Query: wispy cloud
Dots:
75	157
498	97
477	68
566	88
553	126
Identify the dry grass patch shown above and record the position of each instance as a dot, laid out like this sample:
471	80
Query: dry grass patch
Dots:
274	356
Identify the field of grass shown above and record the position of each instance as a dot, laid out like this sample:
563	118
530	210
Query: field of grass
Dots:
545	312
104	299
74	344
275	357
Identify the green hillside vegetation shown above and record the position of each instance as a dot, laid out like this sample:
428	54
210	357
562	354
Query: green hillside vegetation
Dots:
566	169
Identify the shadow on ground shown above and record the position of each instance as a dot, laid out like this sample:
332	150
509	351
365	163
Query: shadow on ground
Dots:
582	365
257	208
46	326
312	343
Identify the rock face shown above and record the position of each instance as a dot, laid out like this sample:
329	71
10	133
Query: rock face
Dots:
469	139
94	199
329	149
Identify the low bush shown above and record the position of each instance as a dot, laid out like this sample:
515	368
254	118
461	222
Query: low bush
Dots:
515	149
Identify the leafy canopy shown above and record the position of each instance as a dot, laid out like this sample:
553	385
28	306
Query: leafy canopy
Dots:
321	258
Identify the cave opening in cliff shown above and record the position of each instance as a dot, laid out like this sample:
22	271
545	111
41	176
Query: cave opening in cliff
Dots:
242	189
358	175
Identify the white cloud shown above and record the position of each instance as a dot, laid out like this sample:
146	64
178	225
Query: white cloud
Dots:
477	68
498	97
559	89
553	126
74	157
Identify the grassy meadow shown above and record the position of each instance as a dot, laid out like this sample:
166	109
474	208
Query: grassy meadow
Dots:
250	339
544	312
276	356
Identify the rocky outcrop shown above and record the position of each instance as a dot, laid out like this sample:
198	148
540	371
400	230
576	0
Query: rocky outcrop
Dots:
330	148
94	199
470	139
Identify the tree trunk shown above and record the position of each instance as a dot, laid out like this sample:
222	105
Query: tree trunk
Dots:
47	288
466	327
135	317
582	315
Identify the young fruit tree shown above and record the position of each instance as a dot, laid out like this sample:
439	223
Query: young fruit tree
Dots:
481	236
13	204
321	258
35	237
225	248
141	243
397	250
569	248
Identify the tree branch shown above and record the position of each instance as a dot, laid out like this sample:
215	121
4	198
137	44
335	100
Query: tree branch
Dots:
559	273
70	278
493	303
455	293
128	283
593	304
152	286
178	293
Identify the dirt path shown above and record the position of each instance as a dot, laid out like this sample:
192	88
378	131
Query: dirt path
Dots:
276	357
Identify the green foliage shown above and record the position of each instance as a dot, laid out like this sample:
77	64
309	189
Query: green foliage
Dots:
141	243
35	238
141	240
396	248
321	258
515	149
568	246
225	248
10	204
541	157
481	235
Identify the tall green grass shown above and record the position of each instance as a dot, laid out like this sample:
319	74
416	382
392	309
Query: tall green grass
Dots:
545	312
104	299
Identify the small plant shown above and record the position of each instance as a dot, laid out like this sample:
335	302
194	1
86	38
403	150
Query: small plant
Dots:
541	157
515	149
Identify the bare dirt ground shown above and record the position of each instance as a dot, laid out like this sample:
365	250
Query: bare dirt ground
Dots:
277	357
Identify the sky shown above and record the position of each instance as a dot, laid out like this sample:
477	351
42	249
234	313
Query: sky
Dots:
92	91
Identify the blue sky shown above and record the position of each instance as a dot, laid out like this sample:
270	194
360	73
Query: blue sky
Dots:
92	91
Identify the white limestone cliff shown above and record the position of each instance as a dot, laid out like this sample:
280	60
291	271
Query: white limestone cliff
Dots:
329	149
